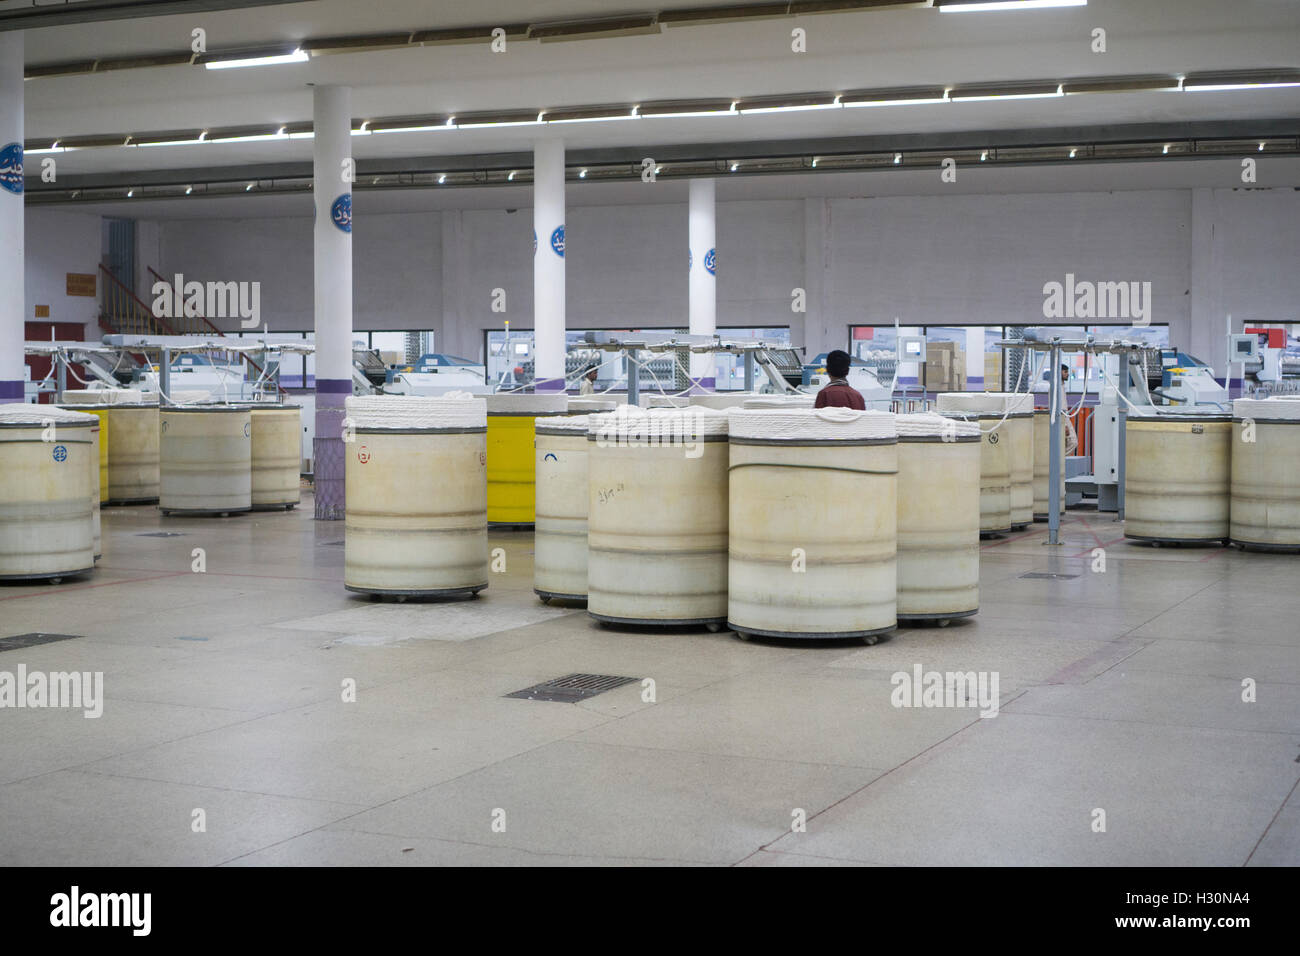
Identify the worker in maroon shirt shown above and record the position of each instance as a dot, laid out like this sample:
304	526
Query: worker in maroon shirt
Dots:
838	393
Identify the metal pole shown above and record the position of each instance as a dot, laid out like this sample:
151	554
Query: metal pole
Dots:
633	379
1056	464
1122	423
749	370
61	363
165	377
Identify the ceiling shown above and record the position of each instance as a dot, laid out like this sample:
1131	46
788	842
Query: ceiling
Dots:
880	48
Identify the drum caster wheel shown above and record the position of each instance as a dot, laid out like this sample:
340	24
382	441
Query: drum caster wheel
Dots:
869	639
56	580
714	627
741	635
544	600
944	622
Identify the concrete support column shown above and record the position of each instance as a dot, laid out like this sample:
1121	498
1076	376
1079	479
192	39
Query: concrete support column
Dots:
702	285
13	306
548	265
332	191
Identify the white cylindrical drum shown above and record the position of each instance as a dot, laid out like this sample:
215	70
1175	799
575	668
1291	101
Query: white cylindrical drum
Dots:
1020	430
416	496
995	453
781	401
1177	470
812	543
277	456
657	516
48	479
205	459
589	405
1265	495
938	517
560	528
720	400
1043	464
133	454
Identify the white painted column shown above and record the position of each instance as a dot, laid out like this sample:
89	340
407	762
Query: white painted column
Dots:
332	192
548	265
13	306
702	285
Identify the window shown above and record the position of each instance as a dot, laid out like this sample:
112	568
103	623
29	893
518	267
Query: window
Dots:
968	358
510	359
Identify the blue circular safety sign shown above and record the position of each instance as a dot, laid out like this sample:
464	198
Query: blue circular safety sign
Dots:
557	241
710	260
341	212
60	453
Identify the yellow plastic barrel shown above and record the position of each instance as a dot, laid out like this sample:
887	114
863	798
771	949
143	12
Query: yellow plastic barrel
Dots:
511	473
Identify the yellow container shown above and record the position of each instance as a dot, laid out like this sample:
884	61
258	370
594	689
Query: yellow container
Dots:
511	470
102	415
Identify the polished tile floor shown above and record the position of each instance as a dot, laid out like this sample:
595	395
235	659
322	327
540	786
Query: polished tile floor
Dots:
226	738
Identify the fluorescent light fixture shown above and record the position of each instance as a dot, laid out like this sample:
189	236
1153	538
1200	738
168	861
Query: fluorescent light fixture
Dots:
498	119
604	114
511	177
1121	84
898	158
1241	80
735	166
130	193
582	174
188	190
248	188
253	138
1073	153
814	162
412	124
906	96
788	104
680	109
1021	91
984	155
297	56
984	6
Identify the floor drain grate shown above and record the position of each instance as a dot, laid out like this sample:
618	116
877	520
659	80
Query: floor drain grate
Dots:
161	534
18	641
1048	576
330	544
572	687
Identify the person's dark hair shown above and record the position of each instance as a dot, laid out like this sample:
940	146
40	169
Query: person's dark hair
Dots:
837	364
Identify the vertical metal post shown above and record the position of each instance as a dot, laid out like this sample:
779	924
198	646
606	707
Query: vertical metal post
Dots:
165	378
61	364
749	370
633	379
1126	359
1055	398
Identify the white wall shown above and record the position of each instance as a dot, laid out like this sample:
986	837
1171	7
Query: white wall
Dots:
960	260
59	242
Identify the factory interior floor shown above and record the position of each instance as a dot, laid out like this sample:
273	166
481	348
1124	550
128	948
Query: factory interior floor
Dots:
1121	691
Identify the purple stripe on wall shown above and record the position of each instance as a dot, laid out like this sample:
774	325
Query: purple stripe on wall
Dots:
553	385
334	386
11	391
